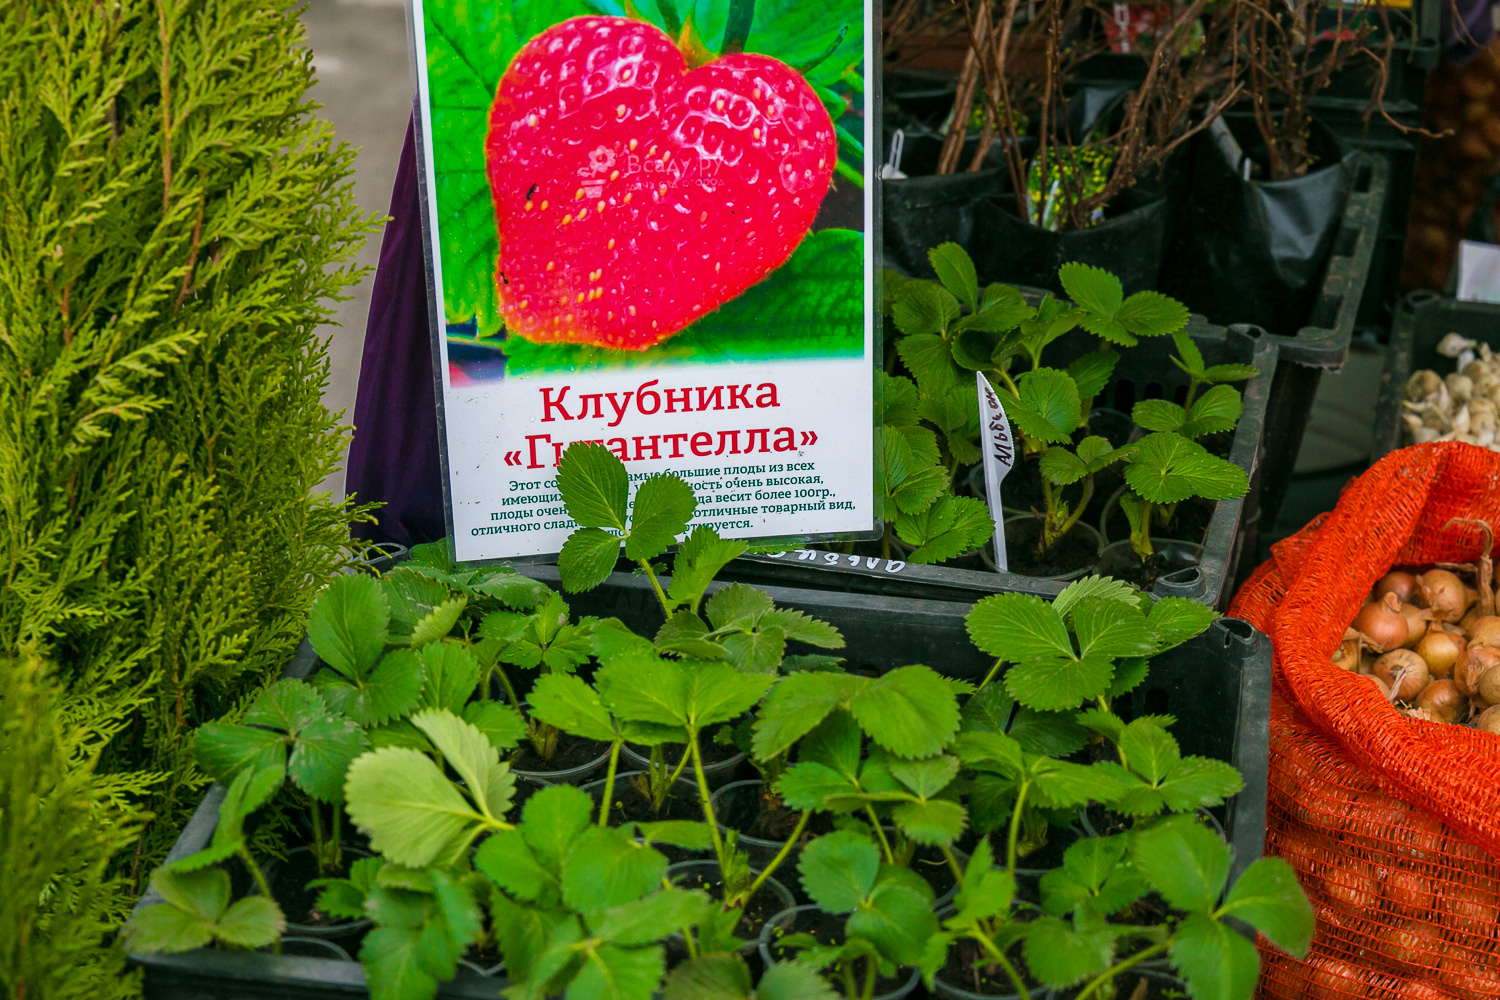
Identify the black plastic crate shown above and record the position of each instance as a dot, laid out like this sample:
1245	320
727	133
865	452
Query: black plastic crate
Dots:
1218	685
1144	372
1422	320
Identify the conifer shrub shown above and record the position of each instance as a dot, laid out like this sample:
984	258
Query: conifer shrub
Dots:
60	823
174	225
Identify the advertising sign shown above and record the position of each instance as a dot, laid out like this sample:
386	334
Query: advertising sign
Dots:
651	227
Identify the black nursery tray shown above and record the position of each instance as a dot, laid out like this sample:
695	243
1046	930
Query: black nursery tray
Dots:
1218	685
1144	372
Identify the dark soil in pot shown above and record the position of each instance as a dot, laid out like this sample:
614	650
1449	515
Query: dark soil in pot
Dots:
961	979
1074	551
769	900
828	929
1170	556
288	879
1189	522
571	754
631	800
744	806
719	759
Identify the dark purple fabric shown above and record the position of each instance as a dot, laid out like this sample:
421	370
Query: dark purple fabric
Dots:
394	455
1467	27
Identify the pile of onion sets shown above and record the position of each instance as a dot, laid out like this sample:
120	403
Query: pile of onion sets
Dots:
1430	641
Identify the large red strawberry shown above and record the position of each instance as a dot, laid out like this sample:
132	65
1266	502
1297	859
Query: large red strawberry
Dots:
634	194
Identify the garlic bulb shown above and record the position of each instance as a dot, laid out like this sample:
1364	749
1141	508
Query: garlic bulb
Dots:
1463	406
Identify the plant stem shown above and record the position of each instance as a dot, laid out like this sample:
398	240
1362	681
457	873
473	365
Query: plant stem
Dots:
885	542
706	799
781	855
609	780
338	834
677	773
880	833
320	846
1109	974
868	992
1140	539
850	990
656	586
510	692
737	26
1083	501
1015	829
260	882
958	872
999	958
988	677
669	16
1005	377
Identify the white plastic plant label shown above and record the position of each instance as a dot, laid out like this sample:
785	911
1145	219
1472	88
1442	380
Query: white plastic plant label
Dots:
999	457
651	227
1478	272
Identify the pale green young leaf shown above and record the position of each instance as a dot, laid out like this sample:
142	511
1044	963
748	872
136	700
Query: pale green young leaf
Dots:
799	627
1061	467
792	981
1018	627
606	868
923	308
677	833
501	724
1091	288
909	711
835	743
699	559
1175	620
663	504
1152	314
450	675
1230	373
1216	411
439	621
1059	956
1100	587
1185	861
1158	415
321	756
1148	750
587	558
738	604
1268	898
594	486
955	270
797	704
393	963
838	870
758	652
1056	684
462	920
715	977
565	701
808	785
1110	628
1215	961
349	624
203	894
412	814
470	753
1091	372
252	922
1192	358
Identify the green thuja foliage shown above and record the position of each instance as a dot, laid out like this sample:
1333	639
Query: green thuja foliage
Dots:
173	226
60	822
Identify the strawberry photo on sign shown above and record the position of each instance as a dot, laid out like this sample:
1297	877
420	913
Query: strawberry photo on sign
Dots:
650	216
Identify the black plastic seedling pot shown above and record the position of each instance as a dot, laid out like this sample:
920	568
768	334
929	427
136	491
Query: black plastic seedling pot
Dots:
1218	685
1144	372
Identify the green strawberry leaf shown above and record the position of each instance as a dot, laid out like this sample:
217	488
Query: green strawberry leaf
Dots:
1175	620
501	724
1048	407
1052	685
439	621
1185	861
349	624
321	757
1158	415
739	605
1059	956
587	559
1152	314
909	711
606	868
1214	412
565	701
663	505
699	560
1167	468
924	309
594	486
1061	467
951	527
1216	962
956	271
288	705
1268	898
1091	372
1018	627
450	676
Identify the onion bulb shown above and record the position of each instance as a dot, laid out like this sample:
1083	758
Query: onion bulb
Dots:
1444	594
1489	720
1400	583
1475	662
1381	686
1404	671
1347	656
1444	700
1384	628
1489	686
1441	650
1485	631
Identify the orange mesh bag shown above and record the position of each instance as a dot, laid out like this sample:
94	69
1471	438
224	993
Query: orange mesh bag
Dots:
1392	824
